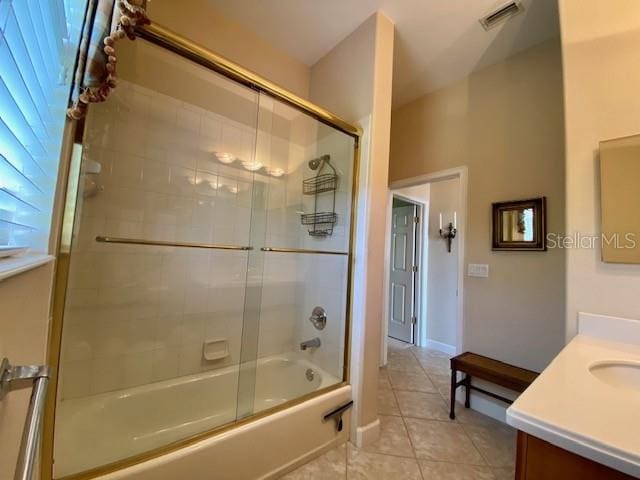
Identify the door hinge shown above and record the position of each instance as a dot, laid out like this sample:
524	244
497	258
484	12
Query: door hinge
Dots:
414	320
414	269
416	219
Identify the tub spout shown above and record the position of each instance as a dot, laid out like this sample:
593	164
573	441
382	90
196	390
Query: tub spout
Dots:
313	343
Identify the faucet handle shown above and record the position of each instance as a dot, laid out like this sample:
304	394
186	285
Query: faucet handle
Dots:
318	318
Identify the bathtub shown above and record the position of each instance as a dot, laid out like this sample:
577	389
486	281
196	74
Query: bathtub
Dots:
112	426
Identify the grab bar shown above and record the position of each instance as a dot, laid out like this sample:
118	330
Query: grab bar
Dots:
160	243
14	377
301	250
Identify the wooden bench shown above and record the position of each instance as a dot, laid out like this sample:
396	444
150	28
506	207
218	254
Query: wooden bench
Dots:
490	370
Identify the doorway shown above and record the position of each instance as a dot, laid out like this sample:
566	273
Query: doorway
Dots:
404	296
430	294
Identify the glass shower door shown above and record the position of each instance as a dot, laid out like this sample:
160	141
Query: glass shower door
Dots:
295	315
153	320
208	262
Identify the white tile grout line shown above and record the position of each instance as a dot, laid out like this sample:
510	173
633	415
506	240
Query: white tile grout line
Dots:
462	424
346	460
414	356
406	429
404	422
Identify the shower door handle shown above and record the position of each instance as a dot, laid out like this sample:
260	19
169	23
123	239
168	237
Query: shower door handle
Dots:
14	377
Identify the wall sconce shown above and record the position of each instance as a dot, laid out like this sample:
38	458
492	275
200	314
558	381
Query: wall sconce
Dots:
449	233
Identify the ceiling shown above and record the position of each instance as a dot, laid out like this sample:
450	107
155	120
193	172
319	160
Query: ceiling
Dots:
437	41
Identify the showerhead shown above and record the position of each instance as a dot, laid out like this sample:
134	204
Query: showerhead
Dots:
316	162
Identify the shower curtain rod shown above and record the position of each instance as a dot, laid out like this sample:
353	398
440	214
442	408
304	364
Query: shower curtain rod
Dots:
164	37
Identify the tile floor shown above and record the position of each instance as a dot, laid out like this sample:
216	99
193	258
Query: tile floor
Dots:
418	441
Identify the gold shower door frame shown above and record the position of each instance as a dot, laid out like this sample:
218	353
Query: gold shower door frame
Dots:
165	38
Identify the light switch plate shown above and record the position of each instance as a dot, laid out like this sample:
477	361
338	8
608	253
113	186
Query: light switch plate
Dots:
478	270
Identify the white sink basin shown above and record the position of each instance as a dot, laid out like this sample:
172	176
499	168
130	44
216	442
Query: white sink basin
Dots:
618	373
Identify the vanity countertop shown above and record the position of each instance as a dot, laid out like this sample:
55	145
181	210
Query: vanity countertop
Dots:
570	407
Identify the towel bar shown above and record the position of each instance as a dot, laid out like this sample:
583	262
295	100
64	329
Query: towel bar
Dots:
336	414
161	243
301	250
14	377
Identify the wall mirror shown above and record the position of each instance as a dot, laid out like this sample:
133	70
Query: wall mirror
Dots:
620	202
520	225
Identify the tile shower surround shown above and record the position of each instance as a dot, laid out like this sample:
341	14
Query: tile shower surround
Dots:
139	314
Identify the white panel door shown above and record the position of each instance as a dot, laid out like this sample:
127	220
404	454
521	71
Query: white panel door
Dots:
401	291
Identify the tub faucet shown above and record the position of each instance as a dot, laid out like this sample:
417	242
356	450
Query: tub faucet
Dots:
313	343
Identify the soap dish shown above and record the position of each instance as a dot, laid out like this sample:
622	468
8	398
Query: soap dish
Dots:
215	349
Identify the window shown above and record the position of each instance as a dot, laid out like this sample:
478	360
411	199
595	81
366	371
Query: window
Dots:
38	45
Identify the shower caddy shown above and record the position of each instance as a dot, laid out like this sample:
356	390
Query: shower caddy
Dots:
320	224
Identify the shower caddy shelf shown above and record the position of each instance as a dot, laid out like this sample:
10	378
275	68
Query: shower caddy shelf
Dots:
320	223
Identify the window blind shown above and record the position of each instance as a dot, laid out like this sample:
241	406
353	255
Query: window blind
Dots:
38	45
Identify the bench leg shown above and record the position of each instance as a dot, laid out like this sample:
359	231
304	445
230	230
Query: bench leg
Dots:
467	384
454	381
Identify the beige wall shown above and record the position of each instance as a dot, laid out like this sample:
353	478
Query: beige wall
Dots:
442	266
198	21
354	81
350	64
506	124
23	339
601	74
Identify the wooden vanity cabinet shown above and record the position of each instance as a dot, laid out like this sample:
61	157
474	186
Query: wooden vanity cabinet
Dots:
540	460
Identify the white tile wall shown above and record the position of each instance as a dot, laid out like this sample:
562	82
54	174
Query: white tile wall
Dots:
325	277
139	314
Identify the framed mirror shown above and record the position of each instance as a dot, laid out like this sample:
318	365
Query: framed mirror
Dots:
520	225
620	202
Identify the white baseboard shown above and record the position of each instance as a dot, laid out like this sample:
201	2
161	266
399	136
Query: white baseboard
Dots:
489	407
368	434
484	404
442	347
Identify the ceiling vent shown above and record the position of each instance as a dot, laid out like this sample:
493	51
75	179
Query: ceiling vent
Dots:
500	15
